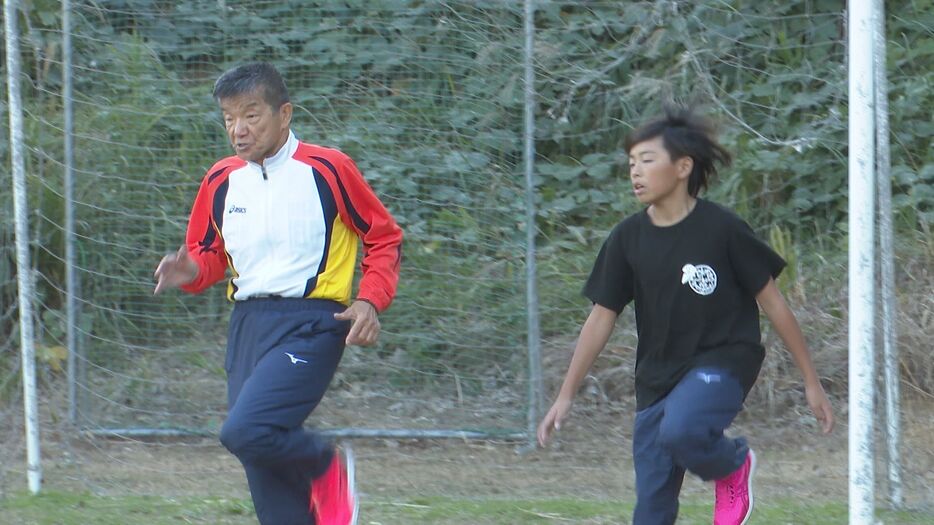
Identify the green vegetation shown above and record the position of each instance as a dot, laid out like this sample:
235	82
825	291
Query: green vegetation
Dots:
74	509
428	97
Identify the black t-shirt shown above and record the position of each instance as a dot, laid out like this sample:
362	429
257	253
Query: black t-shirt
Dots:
694	285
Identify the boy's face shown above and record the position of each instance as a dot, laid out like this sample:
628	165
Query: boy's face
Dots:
655	176
256	130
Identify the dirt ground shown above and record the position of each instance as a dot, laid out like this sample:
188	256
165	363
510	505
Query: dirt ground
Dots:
590	460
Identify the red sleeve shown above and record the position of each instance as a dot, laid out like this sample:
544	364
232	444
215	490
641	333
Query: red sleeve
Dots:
363	212
204	241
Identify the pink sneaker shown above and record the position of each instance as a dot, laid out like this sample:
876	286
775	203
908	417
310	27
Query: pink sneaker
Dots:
734	495
333	498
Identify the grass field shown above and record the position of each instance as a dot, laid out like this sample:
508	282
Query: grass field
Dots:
584	477
81	509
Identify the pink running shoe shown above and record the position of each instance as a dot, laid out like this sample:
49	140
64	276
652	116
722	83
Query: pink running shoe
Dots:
333	497
734	495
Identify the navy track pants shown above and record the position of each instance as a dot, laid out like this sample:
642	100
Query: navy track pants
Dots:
684	432
281	355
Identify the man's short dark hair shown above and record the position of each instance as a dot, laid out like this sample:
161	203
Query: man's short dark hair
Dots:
250	78
685	134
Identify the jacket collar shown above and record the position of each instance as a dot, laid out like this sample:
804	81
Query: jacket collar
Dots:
281	156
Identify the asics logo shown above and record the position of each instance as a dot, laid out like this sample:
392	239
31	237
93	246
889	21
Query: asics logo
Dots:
235	209
294	359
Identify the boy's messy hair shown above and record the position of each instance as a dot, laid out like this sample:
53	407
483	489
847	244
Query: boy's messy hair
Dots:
685	134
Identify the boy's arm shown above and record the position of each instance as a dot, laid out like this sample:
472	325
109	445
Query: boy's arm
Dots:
782	318
593	337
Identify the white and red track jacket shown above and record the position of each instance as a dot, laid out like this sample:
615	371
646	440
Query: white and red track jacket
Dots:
289	228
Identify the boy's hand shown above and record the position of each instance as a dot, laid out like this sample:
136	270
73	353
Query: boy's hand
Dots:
553	419
820	406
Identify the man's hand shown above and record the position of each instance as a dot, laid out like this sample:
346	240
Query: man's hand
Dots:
365	328
175	269
820	406
552	420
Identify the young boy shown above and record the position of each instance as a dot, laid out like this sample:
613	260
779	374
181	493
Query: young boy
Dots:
695	272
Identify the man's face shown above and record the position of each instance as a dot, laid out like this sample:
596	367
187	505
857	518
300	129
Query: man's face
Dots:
256	130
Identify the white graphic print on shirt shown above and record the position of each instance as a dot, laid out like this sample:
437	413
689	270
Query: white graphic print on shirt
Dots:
702	278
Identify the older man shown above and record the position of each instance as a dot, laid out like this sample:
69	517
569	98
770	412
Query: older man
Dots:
285	217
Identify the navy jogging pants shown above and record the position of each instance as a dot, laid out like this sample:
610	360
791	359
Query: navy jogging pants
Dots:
684	432
281	355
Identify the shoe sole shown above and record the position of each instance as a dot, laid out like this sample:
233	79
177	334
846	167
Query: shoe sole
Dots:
752	472
352	482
